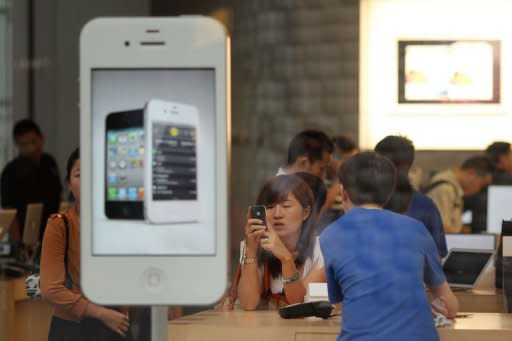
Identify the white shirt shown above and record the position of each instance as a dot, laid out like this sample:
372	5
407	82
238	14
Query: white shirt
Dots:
281	171
316	262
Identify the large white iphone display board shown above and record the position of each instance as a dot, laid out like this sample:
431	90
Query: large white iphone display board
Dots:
155	152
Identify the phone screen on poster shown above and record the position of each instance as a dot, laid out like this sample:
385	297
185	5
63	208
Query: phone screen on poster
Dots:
153	142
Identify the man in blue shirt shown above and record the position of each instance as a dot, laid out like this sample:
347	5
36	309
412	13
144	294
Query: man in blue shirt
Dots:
378	261
407	200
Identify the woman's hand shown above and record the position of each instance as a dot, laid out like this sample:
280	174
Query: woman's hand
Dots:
113	319
254	230
271	242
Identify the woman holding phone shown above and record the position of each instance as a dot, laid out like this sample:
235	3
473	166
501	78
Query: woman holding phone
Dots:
280	259
75	317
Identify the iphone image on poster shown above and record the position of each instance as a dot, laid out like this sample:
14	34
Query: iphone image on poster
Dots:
124	165
171	131
154	152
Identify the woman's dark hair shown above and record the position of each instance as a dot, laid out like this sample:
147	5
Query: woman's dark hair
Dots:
400	199
75	155
318	189
276	191
368	178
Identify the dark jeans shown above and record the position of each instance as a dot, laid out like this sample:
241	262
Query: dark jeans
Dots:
87	330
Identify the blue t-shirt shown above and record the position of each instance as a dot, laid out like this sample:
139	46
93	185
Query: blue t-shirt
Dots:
424	209
377	263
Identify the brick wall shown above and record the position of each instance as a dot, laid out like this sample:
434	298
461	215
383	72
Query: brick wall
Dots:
295	66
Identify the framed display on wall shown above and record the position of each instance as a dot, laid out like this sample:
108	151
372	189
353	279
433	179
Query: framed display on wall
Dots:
449	71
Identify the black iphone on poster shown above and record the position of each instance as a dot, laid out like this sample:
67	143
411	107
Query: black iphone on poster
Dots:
124	165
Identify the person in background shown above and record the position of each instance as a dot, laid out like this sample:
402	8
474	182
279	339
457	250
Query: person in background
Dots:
377	261
500	155
75	317
333	209
31	177
447	189
344	147
319	190
405	199
280	260
309	151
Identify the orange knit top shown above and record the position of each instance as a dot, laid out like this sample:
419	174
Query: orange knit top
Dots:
70	304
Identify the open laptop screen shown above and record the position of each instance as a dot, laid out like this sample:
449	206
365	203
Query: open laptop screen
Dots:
470	241
463	267
498	206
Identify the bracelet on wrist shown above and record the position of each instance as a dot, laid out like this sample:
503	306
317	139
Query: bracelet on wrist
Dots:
294	278
249	260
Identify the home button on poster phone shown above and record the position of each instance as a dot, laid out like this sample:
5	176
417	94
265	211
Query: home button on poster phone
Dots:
153	279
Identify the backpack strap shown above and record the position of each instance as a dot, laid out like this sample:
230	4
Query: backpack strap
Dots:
68	282
426	189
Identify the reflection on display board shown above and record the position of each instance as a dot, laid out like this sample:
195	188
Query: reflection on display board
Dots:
153	147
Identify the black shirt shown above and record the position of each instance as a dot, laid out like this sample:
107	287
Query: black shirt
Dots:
23	182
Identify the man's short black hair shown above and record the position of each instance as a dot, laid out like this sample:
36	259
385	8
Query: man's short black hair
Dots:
496	150
23	127
480	163
312	143
368	177
344	143
399	149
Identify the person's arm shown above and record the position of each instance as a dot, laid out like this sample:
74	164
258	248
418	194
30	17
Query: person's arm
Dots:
249	287
55	292
436	281
448	300
113	319
53	272
294	286
295	290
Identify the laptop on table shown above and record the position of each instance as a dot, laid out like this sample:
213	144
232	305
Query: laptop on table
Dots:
32	227
6	219
464	267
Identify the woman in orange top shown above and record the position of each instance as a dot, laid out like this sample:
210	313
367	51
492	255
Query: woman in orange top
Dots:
75	317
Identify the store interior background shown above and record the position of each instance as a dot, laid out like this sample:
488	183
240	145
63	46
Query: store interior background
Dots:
295	65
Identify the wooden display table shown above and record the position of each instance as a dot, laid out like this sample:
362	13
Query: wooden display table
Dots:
267	326
22	319
482	301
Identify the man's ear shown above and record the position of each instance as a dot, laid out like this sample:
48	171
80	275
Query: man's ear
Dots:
302	162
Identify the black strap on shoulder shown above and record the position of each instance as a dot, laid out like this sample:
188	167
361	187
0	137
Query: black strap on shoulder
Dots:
68	282
431	186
